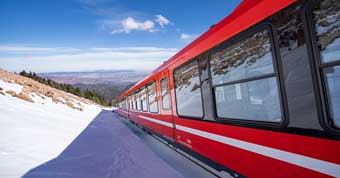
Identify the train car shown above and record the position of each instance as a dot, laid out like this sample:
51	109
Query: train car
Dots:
257	95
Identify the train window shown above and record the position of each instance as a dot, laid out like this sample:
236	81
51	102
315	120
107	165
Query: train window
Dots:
144	100
165	93
244	82
152	93
326	16
133	102
188	90
138	101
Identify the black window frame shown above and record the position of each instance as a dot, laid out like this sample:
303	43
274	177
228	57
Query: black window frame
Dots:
150	83
318	72
200	82
160	82
264	25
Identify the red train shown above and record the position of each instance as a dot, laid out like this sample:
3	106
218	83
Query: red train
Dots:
257	95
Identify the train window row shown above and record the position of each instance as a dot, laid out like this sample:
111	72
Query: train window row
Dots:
145	99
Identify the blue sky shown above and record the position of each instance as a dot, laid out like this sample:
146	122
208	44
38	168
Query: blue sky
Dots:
76	35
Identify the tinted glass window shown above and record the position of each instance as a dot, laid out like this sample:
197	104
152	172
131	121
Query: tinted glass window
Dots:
188	90
326	16
255	100
244	81
327	27
247	58
165	93
153	104
143	100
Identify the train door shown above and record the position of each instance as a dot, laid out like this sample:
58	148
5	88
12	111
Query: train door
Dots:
165	103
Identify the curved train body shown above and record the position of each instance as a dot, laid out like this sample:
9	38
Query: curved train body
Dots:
257	95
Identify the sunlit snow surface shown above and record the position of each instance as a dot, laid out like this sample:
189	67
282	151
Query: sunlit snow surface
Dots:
34	133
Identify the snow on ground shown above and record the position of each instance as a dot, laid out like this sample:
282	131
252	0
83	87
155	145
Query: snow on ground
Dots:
10	86
111	147
33	133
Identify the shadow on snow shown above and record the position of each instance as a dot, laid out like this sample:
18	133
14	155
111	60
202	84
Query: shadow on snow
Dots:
106	148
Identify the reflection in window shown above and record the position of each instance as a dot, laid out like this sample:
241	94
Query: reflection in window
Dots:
246	83
188	90
327	27
257	100
248	58
332	75
165	93
152	93
143	100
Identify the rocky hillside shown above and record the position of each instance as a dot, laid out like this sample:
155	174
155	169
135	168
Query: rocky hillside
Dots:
32	89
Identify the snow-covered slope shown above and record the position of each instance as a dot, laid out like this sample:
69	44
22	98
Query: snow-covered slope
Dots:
32	133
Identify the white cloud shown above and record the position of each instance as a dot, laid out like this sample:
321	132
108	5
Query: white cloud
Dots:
162	21
31	49
184	36
103	58
129	24
187	37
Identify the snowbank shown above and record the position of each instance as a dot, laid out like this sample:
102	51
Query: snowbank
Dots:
33	133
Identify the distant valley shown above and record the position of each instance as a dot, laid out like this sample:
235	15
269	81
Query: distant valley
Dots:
109	83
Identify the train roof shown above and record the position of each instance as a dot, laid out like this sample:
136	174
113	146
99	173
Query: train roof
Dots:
247	14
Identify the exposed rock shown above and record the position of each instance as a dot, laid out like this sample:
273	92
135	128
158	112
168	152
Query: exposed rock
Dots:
70	104
10	92
24	96
2	93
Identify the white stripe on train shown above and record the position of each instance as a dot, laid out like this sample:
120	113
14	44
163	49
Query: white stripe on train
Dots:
168	124
324	167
